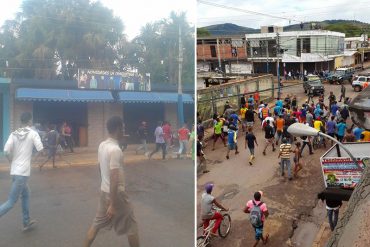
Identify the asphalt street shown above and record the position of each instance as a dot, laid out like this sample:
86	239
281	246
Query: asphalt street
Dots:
288	201
64	202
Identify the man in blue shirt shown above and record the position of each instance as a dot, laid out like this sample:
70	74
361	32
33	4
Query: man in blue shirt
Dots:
357	132
341	129
234	118
330	127
231	140
334	108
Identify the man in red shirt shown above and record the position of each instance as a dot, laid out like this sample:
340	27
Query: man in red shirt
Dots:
250	208
183	139
167	134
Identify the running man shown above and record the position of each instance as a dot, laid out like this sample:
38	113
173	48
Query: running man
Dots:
115	209
52	142
250	139
18	150
231	140
159	141
269	136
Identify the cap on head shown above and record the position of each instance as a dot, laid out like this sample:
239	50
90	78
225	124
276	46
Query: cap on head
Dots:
209	187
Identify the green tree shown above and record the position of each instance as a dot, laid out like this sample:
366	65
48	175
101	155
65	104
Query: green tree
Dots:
82	32
203	32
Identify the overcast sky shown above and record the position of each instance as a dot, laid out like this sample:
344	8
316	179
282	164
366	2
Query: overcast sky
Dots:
134	14
303	10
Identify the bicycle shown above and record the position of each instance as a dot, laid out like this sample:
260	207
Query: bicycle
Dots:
318	142
223	229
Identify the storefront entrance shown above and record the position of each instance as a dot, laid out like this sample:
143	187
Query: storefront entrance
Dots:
75	114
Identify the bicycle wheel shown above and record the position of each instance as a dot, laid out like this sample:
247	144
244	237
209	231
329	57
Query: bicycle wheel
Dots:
225	226
202	241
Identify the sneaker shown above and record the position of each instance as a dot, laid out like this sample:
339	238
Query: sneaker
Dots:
29	225
250	163
273	150
236	152
205	171
282	174
290	178
227	157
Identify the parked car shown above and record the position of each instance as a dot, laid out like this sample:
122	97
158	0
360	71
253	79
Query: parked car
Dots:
313	82
340	75
360	82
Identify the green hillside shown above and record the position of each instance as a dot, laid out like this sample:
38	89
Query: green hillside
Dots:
349	27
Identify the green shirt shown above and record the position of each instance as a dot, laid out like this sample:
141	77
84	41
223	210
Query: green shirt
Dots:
218	128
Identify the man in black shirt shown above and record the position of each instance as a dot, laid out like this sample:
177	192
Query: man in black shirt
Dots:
142	132
52	142
250	139
200	154
332	206
269	136
249	116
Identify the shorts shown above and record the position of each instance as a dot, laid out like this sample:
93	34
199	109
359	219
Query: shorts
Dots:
251	149
270	140
231	146
258	232
250	124
51	152
123	222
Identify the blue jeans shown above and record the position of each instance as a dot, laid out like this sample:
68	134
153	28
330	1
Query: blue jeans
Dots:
143	146
183	145
285	162
333	221
19	188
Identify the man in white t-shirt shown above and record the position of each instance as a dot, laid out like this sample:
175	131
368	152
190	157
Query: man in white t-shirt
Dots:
114	210
160	142
18	150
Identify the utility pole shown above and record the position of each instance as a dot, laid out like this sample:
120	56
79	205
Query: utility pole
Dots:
278	62
363	49
180	108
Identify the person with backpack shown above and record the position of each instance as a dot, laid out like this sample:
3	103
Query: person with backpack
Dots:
258	213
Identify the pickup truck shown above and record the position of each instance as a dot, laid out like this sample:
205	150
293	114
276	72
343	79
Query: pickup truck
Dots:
340	75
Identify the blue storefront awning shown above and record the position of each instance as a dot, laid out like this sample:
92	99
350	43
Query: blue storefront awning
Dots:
64	95
153	97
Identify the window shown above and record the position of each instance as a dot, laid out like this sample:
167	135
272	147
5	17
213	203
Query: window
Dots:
210	42
298	47
271	29
306	45
213	51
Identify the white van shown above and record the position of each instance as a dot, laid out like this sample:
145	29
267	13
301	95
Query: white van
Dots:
360	82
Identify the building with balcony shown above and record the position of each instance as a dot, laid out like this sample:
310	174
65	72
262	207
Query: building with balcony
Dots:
227	53
312	50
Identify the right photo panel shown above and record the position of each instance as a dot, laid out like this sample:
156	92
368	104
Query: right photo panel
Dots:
283	127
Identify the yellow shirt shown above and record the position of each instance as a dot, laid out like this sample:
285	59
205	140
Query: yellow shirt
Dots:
317	124
242	112
366	134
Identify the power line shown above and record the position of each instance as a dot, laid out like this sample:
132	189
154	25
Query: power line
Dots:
245	11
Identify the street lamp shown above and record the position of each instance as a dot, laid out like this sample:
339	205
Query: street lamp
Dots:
300	129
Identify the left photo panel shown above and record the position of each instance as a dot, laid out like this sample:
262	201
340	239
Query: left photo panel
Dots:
97	119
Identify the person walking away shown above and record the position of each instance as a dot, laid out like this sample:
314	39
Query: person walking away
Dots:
200	154
331	128
251	101
243	110
250	140
227	106
206	207
258	213
303	114
249	117
142	132
349	136
52	143
331	99
256	97
342	92
341	128
167	134
269	137
285	150
183	139
344	113
160	143
265	112
306	141
218	133
309	119
242	101
114	210
296	159
334	108
231	140
332	207
67	133
200	129
18	150
280	122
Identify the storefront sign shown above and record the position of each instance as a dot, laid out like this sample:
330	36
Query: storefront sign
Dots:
111	80
342	172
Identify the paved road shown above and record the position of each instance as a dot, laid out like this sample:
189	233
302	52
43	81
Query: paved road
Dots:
236	181
64	201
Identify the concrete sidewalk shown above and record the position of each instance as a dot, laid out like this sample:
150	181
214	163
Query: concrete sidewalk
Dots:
89	157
